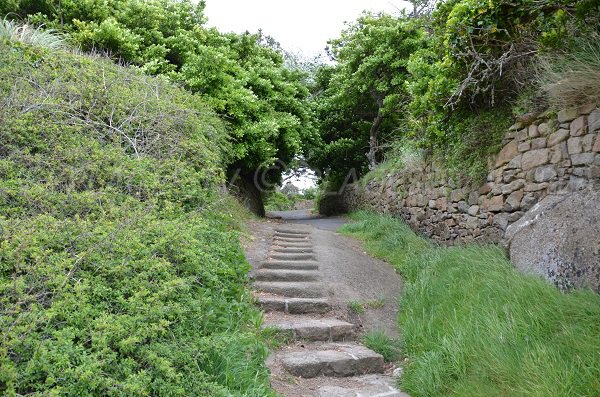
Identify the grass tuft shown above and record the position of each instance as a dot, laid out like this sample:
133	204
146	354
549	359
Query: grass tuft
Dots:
356	307
573	78
359	307
473	326
379	342
27	34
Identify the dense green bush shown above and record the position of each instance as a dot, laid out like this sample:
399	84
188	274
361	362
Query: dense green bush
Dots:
120	271
242	76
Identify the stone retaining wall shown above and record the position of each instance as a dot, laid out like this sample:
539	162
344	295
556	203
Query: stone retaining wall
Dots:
544	156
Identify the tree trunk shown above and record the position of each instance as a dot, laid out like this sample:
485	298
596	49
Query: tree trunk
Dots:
372	155
243	187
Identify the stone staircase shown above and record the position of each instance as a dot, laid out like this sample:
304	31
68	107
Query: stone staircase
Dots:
295	301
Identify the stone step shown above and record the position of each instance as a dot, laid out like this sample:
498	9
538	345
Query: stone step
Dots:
293	231
291	289
323	329
286	275
277	239
290	265
303	244
292	236
294	305
336	360
292	250
373	385
292	257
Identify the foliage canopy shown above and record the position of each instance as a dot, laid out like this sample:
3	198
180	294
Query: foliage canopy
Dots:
431	80
243	77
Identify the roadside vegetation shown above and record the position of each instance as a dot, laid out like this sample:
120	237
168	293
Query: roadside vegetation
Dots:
473	326
120	268
447	80
247	79
288	198
122	121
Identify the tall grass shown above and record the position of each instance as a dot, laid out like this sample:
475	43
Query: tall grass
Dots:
25	33
473	326
573	78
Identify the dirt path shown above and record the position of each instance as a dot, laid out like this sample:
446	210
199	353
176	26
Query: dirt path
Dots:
306	275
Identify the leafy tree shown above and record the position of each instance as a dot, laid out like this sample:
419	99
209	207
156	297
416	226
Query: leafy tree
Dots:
362	95
243	77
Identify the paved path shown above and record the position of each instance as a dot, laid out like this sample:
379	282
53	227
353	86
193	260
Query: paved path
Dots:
307	217
305	275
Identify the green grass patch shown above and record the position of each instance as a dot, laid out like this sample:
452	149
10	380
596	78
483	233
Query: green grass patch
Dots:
379	342
472	325
360	307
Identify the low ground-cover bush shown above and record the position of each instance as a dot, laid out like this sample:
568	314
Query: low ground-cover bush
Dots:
277	201
473	326
120	268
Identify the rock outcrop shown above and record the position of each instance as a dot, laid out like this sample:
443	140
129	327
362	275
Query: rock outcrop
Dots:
559	239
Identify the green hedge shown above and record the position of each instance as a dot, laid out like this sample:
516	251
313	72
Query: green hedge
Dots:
120	269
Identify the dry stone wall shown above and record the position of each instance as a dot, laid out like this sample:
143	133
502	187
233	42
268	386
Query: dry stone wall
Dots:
544	156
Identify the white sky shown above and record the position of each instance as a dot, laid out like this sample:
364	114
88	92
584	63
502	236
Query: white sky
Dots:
299	25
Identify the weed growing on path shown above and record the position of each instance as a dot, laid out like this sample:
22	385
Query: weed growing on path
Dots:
359	307
376	304
473	326
356	307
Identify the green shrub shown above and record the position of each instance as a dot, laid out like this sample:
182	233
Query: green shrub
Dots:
120	268
472	139
473	326
277	201
310	193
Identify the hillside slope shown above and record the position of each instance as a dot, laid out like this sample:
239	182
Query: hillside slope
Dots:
120	269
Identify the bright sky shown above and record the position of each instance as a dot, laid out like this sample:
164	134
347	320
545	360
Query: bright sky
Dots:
299	25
